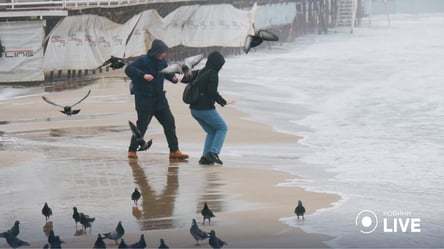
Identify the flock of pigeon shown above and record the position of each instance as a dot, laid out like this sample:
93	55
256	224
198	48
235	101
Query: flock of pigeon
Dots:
86	221
54	241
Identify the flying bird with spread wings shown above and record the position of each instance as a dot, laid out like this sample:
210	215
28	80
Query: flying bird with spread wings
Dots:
259	36
67	109
184	67
143	145
114	62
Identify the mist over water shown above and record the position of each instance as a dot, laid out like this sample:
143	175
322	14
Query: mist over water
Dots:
370	109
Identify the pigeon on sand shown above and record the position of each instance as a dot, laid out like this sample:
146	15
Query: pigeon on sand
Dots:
215	242
99	242
75	215
162	244
135	196
197	233
207	213
86	221
14	231
300	210
46	211
122	244
13	241
54	241
116	234
139	244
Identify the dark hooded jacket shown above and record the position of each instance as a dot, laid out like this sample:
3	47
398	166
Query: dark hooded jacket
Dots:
208	79
149	96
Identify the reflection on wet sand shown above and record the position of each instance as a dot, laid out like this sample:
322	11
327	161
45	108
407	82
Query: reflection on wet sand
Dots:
47	228
212	196
157	210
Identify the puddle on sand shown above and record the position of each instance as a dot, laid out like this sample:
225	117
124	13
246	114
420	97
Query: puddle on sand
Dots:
99	182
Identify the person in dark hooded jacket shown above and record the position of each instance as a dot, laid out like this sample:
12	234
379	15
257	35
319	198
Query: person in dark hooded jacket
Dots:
204	110
150	99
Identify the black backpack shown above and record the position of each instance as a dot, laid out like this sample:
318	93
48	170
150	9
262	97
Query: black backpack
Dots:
191	92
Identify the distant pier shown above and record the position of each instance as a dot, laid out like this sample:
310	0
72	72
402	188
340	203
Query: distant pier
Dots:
310	16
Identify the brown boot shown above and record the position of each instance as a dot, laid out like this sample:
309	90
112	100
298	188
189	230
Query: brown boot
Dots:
132	154
178	155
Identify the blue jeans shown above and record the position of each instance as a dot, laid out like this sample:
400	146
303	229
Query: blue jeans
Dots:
214	126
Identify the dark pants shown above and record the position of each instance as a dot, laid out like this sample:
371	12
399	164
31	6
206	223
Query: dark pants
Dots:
165	118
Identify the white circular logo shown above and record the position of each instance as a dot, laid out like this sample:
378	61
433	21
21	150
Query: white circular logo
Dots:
366	221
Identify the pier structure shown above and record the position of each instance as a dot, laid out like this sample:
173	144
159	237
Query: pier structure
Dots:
34	48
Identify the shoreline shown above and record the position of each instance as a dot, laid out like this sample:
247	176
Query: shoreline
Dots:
110	105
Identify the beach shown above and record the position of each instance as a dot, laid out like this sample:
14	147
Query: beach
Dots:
81	160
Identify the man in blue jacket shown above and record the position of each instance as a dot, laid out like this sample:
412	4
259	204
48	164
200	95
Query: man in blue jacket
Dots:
150	97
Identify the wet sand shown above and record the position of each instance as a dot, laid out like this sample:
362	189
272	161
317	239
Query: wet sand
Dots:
81	161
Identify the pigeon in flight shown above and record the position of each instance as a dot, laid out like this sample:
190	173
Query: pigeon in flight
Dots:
14	231
139	244
143	145
67	109
135	196
46	211
197	233
259	36
86	221
116	234
299	210
184	67
114	62
215	242
75	215
207	214
99	242
13	241
162	244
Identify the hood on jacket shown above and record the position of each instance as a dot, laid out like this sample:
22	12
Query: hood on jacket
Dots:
157	48
215	61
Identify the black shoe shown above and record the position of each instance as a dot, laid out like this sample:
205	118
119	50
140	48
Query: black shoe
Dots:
204	161
213	157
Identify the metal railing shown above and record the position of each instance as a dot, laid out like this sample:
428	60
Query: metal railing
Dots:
73	4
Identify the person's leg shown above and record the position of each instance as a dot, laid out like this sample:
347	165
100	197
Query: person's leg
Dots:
143	119
218	124
200	117
166	119
213	124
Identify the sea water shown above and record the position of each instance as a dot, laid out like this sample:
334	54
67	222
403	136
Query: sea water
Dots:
370	108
